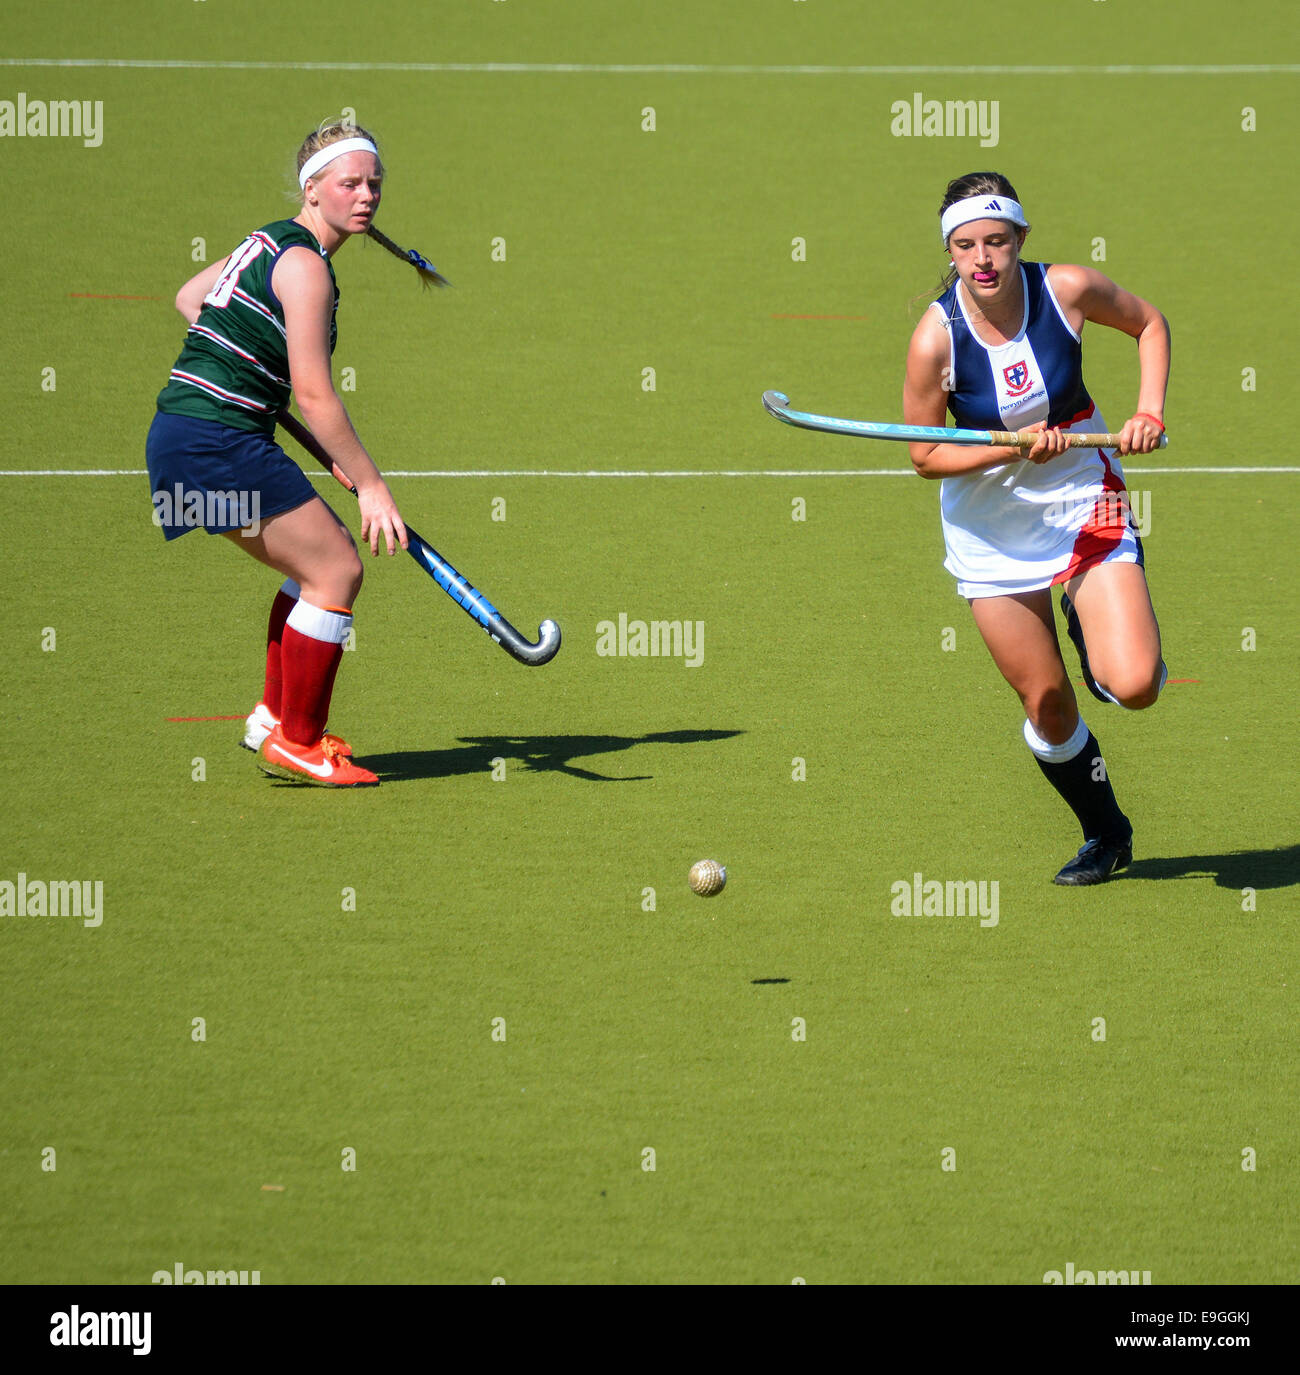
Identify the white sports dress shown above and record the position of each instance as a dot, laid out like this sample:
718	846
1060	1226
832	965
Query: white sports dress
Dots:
1024	526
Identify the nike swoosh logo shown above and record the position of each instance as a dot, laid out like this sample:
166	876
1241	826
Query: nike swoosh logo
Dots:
320	770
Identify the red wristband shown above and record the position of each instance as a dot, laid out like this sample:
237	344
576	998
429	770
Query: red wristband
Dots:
1146	415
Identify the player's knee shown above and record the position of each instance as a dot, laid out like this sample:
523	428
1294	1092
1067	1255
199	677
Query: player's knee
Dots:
1136	697
339	581
1051	711
353	573
1135	690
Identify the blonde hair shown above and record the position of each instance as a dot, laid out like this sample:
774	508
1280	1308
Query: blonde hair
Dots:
332	131
335	131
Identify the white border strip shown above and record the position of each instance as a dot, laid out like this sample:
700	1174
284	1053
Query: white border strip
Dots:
668	68
625	473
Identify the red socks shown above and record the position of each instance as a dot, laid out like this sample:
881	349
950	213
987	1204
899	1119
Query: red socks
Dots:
285	600
311	646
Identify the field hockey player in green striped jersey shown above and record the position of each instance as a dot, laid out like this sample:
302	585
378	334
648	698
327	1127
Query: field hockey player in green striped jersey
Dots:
261	327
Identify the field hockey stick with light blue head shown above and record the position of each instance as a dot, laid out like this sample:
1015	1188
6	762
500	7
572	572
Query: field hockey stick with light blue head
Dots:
778	404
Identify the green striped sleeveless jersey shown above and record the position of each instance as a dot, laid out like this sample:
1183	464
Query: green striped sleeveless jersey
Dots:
234	368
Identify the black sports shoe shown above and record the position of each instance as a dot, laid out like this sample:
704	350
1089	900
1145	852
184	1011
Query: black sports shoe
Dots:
1075	631
1097	860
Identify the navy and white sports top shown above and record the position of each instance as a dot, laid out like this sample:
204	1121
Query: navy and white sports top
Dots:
1037	375
1022	526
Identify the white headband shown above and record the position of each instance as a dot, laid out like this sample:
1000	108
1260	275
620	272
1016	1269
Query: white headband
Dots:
983	207
332	151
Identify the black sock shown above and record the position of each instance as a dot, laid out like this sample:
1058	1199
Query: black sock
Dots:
1090	798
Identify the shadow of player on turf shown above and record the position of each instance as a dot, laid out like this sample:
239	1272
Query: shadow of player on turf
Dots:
536	753
1277	868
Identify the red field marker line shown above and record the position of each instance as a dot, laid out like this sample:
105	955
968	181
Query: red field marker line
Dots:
97	296
207	718
821	317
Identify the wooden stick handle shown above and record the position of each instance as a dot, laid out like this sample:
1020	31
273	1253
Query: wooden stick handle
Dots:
313	446
1024	439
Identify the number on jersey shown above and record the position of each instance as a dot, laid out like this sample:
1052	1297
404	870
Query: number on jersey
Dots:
223	288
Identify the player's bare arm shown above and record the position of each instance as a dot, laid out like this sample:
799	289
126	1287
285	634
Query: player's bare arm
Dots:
1088	295
303	285
189	299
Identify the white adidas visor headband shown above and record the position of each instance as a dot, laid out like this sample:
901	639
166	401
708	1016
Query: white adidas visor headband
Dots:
336	150
983	207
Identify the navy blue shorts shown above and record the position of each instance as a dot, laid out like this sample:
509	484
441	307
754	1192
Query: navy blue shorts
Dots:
204	474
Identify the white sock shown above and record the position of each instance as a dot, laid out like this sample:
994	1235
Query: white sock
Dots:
1056	754
318	624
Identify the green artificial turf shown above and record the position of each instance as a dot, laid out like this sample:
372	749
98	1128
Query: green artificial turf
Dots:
525	899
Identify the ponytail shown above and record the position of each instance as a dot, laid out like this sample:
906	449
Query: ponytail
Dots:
429	275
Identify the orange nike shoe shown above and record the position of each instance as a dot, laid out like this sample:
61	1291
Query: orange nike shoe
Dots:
323	763
260	722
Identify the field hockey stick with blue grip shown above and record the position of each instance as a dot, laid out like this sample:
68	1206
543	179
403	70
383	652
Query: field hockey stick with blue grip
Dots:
778	404
458	588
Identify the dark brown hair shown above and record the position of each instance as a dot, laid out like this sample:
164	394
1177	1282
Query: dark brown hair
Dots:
972	184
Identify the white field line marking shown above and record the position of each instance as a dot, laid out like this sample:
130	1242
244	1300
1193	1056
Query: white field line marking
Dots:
673	68
754	472
628	473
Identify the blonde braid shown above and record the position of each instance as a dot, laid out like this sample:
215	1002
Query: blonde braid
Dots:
429	275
